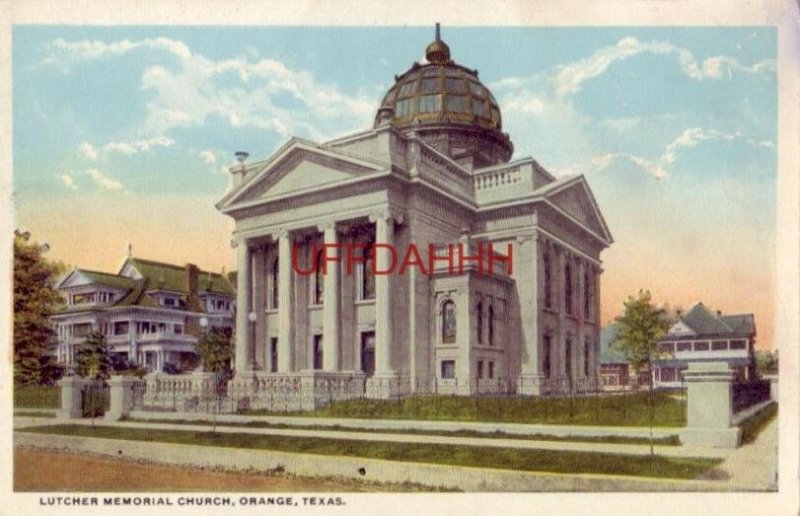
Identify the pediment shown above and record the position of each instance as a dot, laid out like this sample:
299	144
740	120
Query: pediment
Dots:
578	202
681	328
75	278
299	169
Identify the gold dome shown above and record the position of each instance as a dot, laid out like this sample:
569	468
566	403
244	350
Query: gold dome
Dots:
445	95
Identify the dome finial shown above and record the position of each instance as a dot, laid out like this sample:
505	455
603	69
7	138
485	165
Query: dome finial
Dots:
438	52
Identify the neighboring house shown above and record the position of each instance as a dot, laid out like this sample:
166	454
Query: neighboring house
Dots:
435	170
614	365
701	335
150	312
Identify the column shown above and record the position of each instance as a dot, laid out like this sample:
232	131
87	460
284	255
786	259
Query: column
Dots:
384	234
331	315
285	303
259	273
558	301
242	305
526	266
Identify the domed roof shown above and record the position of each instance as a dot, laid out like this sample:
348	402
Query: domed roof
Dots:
444	94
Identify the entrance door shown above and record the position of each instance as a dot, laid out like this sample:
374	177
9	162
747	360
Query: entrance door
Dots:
368	353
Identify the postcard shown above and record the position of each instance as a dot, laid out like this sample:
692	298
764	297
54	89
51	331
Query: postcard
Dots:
336	257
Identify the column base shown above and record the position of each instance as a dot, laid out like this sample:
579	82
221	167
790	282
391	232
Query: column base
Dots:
384	386
532	384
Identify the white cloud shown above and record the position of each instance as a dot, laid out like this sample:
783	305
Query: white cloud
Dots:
98	49
690	137
88	151
133	147
69	181
207	157
571	76
102	180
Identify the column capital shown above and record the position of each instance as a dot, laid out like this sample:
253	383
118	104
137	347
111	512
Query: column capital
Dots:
386	215
527	237
331	224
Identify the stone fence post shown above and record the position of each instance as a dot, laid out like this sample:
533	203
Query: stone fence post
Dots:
710	406
120	396
72	397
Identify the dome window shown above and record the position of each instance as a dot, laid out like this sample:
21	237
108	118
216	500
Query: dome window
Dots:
407	89
429	85
430	103
457	103
403	108
455	85
480	108
431	72
477	89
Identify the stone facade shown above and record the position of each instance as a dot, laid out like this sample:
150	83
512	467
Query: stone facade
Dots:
531	325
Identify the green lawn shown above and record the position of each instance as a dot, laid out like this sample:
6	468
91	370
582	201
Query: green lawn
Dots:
611	439
476	456
614	410
37	396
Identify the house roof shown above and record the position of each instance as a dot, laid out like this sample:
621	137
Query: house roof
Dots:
614	354
706	323
166	276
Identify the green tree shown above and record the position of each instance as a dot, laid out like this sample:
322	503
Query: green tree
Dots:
35	298
766	362
215	349
93	359
641	326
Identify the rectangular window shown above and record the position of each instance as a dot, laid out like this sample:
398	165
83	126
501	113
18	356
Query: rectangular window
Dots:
121	328
457	103
317	352
586	346
429	85
178	329
667	347
273	354
738	344
719	345
480	108
82	330
491	370
684	346
430	103
454	85
407	88
701	346
168	301
403	108
448	369
480	369
431	72
546	355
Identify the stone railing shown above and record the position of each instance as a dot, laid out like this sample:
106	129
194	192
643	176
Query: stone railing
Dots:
286	392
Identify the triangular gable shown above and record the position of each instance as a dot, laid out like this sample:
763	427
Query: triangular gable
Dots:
75	278
575	198
680	329
299	167
79	277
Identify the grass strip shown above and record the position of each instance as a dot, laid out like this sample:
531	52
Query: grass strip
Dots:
753	426
33	413
606	410
475	456
672	440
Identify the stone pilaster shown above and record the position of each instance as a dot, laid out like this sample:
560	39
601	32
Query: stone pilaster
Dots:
243	289
331	316
285	303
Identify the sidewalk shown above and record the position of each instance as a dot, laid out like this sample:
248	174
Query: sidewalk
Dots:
624	449
752	467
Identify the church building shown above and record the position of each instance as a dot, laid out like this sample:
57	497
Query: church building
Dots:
368	257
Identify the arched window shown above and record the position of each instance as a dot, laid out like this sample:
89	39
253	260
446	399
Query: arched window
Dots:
367	275
586	345
479	322
548	282
568	288
273	286
547	345
449	321
587	294
491	326
319	279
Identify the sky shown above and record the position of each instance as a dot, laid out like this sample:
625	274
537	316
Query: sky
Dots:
123	135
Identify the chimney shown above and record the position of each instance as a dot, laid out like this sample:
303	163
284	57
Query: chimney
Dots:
191	277
719	313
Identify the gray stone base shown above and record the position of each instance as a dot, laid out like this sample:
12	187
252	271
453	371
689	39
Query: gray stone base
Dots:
531	384
384	386
729	438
